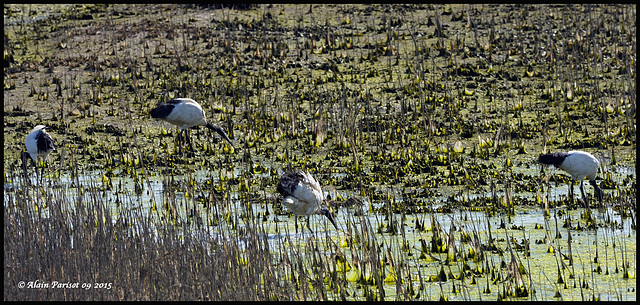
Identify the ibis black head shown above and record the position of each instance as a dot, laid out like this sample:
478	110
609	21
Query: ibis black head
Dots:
326	212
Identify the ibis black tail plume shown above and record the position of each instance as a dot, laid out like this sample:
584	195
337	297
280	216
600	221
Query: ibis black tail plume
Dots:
553	158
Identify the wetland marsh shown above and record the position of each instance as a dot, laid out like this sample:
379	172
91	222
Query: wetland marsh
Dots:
432	116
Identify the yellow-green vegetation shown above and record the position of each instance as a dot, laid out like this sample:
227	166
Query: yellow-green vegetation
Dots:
429	117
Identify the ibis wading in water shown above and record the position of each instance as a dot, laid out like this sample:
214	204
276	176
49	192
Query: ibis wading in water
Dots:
39	144
185	113
579	165
303	196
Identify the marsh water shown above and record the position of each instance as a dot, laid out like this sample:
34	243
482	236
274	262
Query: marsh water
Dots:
599	256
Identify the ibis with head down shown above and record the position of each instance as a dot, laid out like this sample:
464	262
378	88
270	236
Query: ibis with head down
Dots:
185	113
303	196
579	165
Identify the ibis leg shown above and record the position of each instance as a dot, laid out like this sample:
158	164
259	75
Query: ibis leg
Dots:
571	191
308	226
584	198
180	140
184	140
597	191
189	141
25	167
38	170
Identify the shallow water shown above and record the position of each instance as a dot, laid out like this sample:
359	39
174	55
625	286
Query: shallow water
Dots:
614	238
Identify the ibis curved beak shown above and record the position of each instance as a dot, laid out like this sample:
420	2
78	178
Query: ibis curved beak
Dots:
221	132
326	212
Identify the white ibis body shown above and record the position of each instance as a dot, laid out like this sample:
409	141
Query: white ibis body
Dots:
579	165
303	196
39	144
185	113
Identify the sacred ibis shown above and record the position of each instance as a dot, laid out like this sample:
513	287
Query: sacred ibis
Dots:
39	145
185	113
579	165
303	196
